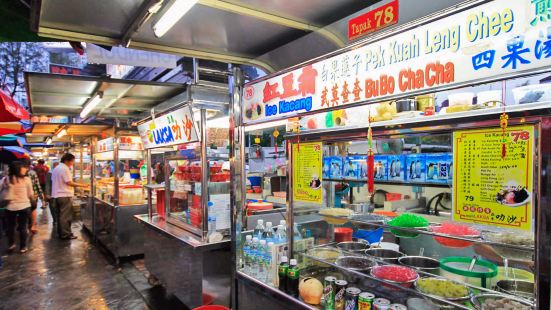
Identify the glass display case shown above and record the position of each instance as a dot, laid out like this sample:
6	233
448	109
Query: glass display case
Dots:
428	213
119	193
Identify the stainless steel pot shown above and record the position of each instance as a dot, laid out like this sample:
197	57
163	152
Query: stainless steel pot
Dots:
352	246
421	263
357	263
387	255
360	208
405	105
518	288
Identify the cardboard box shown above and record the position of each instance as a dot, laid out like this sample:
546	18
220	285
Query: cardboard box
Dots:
381	167
438	168
355	167
415	168
396	168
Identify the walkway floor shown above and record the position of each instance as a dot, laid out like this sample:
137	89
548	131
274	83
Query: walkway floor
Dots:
76	274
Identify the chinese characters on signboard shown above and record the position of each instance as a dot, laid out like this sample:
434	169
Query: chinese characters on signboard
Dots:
307	168
489	189
171	129
493	39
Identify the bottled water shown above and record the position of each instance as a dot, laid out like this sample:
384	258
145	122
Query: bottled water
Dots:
253	271
212	224
260	260
268	234
296	232
281	234
284	224
259	229
247	254
268	263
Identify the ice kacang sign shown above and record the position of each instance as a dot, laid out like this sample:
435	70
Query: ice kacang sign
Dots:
171	129
494	39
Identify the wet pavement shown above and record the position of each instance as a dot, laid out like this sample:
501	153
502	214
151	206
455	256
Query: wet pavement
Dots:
76	274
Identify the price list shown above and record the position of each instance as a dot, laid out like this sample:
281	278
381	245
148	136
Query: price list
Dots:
493	180
307	169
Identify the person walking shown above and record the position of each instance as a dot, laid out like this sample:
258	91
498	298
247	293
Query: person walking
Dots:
63	192
20	189
38	194
48	195
42	172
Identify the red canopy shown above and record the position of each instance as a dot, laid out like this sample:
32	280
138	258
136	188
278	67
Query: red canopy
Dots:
11	111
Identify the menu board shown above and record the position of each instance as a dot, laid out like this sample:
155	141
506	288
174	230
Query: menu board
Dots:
105	145
491	189
176	127
307	172
129	143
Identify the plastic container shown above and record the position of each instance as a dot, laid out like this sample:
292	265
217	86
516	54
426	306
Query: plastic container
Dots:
491	98
131	195
460	99
457	231
403	276
212	307
343	234
457	268
532	93
258	205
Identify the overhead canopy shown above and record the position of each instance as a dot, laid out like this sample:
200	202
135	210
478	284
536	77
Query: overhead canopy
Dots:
229	31
75	132
10	140
56	94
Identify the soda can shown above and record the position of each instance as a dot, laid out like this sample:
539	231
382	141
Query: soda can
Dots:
339	294
398	307
351	298
381	304
329	288
365	301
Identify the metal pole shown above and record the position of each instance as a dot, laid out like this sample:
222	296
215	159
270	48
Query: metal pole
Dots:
116	172
290	203
204	173
149	182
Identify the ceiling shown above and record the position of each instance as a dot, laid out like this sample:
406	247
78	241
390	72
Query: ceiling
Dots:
56	94
229	31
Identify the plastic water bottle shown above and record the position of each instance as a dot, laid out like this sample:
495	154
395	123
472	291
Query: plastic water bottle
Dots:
296	232
268	234
259	229
281	234
284	224
260	258
268	263
247	254
252	256
212	224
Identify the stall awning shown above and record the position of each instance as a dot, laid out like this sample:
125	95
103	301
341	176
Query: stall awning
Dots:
74	132
10	110
227	31
56	94
10	140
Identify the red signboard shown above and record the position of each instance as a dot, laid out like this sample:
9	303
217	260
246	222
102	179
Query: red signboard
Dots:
374	20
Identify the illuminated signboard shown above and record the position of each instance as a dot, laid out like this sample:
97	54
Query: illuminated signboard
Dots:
496	39
171	129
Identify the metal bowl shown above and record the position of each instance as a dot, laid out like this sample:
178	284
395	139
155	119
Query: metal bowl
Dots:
356	263
524	289
469	292
477	300
352	246
408	283
421	263
386	255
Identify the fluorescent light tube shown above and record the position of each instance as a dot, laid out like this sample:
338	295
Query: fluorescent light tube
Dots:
61	133
92	104
171	15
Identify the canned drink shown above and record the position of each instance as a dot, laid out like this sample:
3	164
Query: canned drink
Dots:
398	307
351	298
329	288
381	304
339	294
365	301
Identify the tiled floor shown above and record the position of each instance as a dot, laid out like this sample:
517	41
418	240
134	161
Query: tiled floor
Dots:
74	274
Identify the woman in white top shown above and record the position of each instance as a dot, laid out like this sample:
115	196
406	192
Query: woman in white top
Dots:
19	205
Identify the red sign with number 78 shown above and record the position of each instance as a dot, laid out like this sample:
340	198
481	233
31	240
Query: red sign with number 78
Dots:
373	20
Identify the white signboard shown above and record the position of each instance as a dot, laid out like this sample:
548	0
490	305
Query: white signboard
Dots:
491	40
105	145
171	129
130	57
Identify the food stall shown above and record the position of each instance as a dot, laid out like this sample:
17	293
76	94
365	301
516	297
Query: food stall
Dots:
119	193
417	168
187	226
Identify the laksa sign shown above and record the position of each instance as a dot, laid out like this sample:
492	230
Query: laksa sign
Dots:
171	129
497	38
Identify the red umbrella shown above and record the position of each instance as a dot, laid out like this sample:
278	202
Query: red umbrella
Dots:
7	128
10	110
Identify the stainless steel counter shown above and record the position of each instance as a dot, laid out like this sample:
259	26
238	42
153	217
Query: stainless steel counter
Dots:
186	266
115	228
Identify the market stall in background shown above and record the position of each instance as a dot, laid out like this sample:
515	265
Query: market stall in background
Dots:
416	170
187	227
